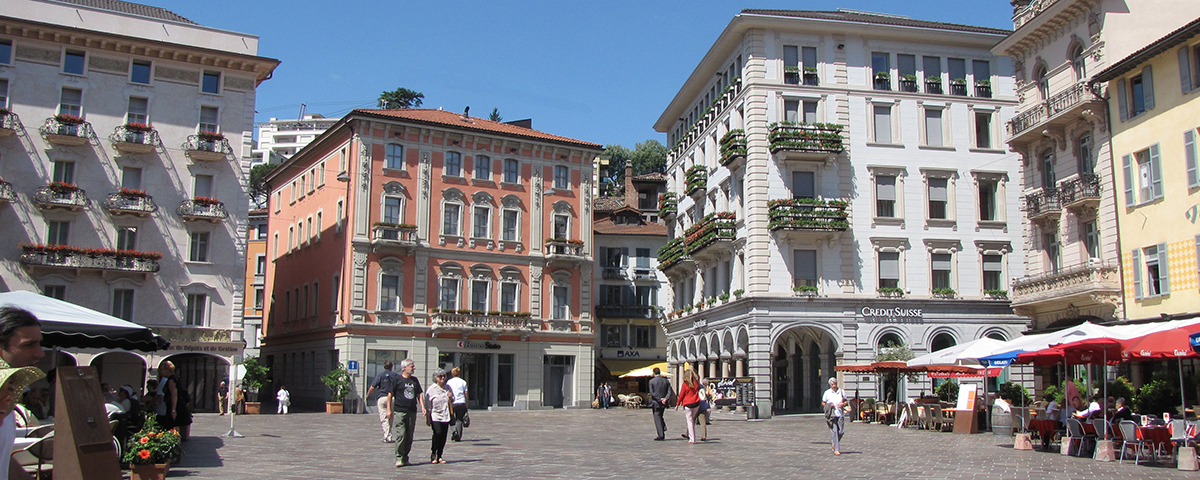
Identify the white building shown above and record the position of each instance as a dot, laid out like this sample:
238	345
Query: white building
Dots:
279	139
123	149
842	175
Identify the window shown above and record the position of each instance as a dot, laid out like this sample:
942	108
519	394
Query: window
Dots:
211	83
482	167
449	294
561	302
906	67
933	127
1048	178
389	293
71	102
643	336
511	221
291	238
883	123
804	268
956	68
202	186
791	111
940	267
64	171
126	238
561	177
1053	252
612	335
122	303
321	175
1091	239
512	170
260	264
987	200
197	304
3	93
479	295
804	185
1135	95
993	272
55	291
482	223
808	58
1087	162
939	197
562	226
453	166
885	196
258	298
1042	77
138	111
932	69
1078	64
450	221
1190	158
392	209
615	257
1147	182
131	178
982	70
58	233
73	62
209	120
395	157
1152	279
646	296
508	296
5	52
889	269
881	67
140	72
983	129
198	251
791	61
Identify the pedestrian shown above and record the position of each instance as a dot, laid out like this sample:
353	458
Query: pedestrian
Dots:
223	398
404	403
384	381
285	400
704	419
151	398
20	346
239	399
172	408
437	414
660	395
690	400
834	401
458	387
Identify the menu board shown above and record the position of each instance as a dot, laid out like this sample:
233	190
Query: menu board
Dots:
737	392
966	396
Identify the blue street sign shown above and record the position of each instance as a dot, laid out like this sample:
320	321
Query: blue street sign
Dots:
352	365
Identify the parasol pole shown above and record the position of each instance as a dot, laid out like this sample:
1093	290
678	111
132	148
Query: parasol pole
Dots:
229	400
1104	382
1182	395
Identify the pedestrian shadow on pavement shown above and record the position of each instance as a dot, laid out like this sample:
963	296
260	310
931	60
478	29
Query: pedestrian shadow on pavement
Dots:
200	452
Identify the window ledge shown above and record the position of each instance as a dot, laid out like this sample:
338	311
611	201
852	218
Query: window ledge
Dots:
889	220
945	148
510	185
136	84
191	262
454	179
395	172
210	94
940	222
455	239
992	224
483	182
885	145
988	150
513	244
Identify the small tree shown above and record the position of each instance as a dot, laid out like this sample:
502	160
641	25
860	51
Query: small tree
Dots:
948	391
256	376
400	98
258	190
495	115
338	380
1014	393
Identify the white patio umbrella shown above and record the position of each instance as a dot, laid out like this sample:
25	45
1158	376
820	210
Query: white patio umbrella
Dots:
67	325
961	354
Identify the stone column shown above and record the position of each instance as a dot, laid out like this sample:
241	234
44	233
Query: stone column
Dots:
740	371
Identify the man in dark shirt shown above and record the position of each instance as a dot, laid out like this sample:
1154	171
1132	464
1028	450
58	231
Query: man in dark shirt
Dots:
660	395
1123	412
385	381
404	403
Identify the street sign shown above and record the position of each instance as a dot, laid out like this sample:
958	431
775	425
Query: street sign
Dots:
352	365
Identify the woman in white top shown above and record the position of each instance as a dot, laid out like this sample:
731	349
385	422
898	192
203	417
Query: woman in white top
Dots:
834	400
438	414
458	387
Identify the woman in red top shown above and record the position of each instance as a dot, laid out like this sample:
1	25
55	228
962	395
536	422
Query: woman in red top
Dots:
690	401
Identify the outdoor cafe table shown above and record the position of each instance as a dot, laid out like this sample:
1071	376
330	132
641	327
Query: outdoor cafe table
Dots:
1156	435
1045	428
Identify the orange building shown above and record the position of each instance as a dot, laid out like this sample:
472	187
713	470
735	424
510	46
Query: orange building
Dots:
449	239
256	281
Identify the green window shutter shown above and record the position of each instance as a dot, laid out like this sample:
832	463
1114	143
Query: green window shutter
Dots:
1122	100
1156	183
1189	154
1137	273
1185	70
1148	87
1164	278
1127	162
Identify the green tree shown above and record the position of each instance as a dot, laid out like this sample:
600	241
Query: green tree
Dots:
257	375
613	177
495	115
258	190
649	157
893	352
400	98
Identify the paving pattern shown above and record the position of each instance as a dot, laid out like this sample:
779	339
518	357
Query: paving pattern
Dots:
618	443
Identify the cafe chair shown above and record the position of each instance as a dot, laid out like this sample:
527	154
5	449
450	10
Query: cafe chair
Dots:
40	432
1104	429
41	452
1179	435
1129	434
1075	433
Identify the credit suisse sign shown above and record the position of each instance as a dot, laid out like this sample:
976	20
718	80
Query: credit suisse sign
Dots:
892	315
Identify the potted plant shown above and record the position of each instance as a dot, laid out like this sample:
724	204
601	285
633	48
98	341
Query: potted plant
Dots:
738	292
337	380
150	451
257	375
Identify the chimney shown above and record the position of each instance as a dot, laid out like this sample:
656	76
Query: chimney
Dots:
630	192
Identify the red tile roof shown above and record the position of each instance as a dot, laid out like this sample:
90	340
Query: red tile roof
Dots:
605	226
456	120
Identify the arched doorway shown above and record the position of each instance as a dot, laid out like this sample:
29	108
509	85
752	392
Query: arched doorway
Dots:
200	374
893	383
121	368
941	341
802	358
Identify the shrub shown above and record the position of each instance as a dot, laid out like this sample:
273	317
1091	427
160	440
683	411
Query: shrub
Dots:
1157	397
948	391
1015	394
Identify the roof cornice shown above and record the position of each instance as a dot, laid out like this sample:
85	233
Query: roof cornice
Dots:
1046	24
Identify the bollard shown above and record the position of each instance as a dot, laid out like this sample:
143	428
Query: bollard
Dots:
1187	459
1024	441
1104	451
1065	446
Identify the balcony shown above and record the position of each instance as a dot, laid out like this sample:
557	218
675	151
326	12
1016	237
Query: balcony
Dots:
626	311
66	130
207	147
10	123
1080	193
697	180
811	78
477	321
933	85
1043	205
958	87
983	89
644	274
806	141
400	237
7	194
134	138
714	112
1065	107
733	149
807	217
668	205
908	83
202	209
61	195
613	273
561	250
673	254
63	256
130	202
1080	286
883	81
710	236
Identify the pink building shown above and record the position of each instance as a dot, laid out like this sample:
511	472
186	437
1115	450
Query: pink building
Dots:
449	239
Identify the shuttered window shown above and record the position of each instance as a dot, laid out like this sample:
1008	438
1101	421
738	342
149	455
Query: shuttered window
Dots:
889	269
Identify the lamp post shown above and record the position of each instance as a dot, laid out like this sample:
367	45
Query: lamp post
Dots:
230	404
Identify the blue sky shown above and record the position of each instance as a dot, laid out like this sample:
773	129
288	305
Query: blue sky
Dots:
596	71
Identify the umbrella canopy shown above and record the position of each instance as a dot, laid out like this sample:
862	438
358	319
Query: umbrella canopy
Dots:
962	354
647	371
880	367
1164	344
1092	351
66	325
961	371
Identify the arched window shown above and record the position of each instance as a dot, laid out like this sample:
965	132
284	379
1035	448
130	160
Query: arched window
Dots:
888	341
1077	62
1041	75
942	341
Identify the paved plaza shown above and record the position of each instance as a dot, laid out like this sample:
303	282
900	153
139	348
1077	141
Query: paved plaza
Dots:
618	443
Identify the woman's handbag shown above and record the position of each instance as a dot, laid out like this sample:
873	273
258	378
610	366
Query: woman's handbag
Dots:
466	420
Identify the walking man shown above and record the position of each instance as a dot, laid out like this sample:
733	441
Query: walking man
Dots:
404	403
20	346
285	400
223	398
384	381
834	401
660	394
458	387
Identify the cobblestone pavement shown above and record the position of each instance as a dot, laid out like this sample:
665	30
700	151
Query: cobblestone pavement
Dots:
618	443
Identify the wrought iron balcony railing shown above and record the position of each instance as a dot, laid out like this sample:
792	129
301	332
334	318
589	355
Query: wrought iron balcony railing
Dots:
73	198
137	204
808	215
210	211
96	259
10	123
7	194
69	132
821	138
1082	190
626	311
134	139
207	148
1044	203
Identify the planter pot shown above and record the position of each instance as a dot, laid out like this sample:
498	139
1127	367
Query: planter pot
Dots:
333	407
252	408
148	472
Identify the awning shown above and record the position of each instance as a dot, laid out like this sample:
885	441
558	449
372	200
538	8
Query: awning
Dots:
66	325
620	368
647	371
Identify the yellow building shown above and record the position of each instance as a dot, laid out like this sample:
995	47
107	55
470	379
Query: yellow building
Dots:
1154	110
